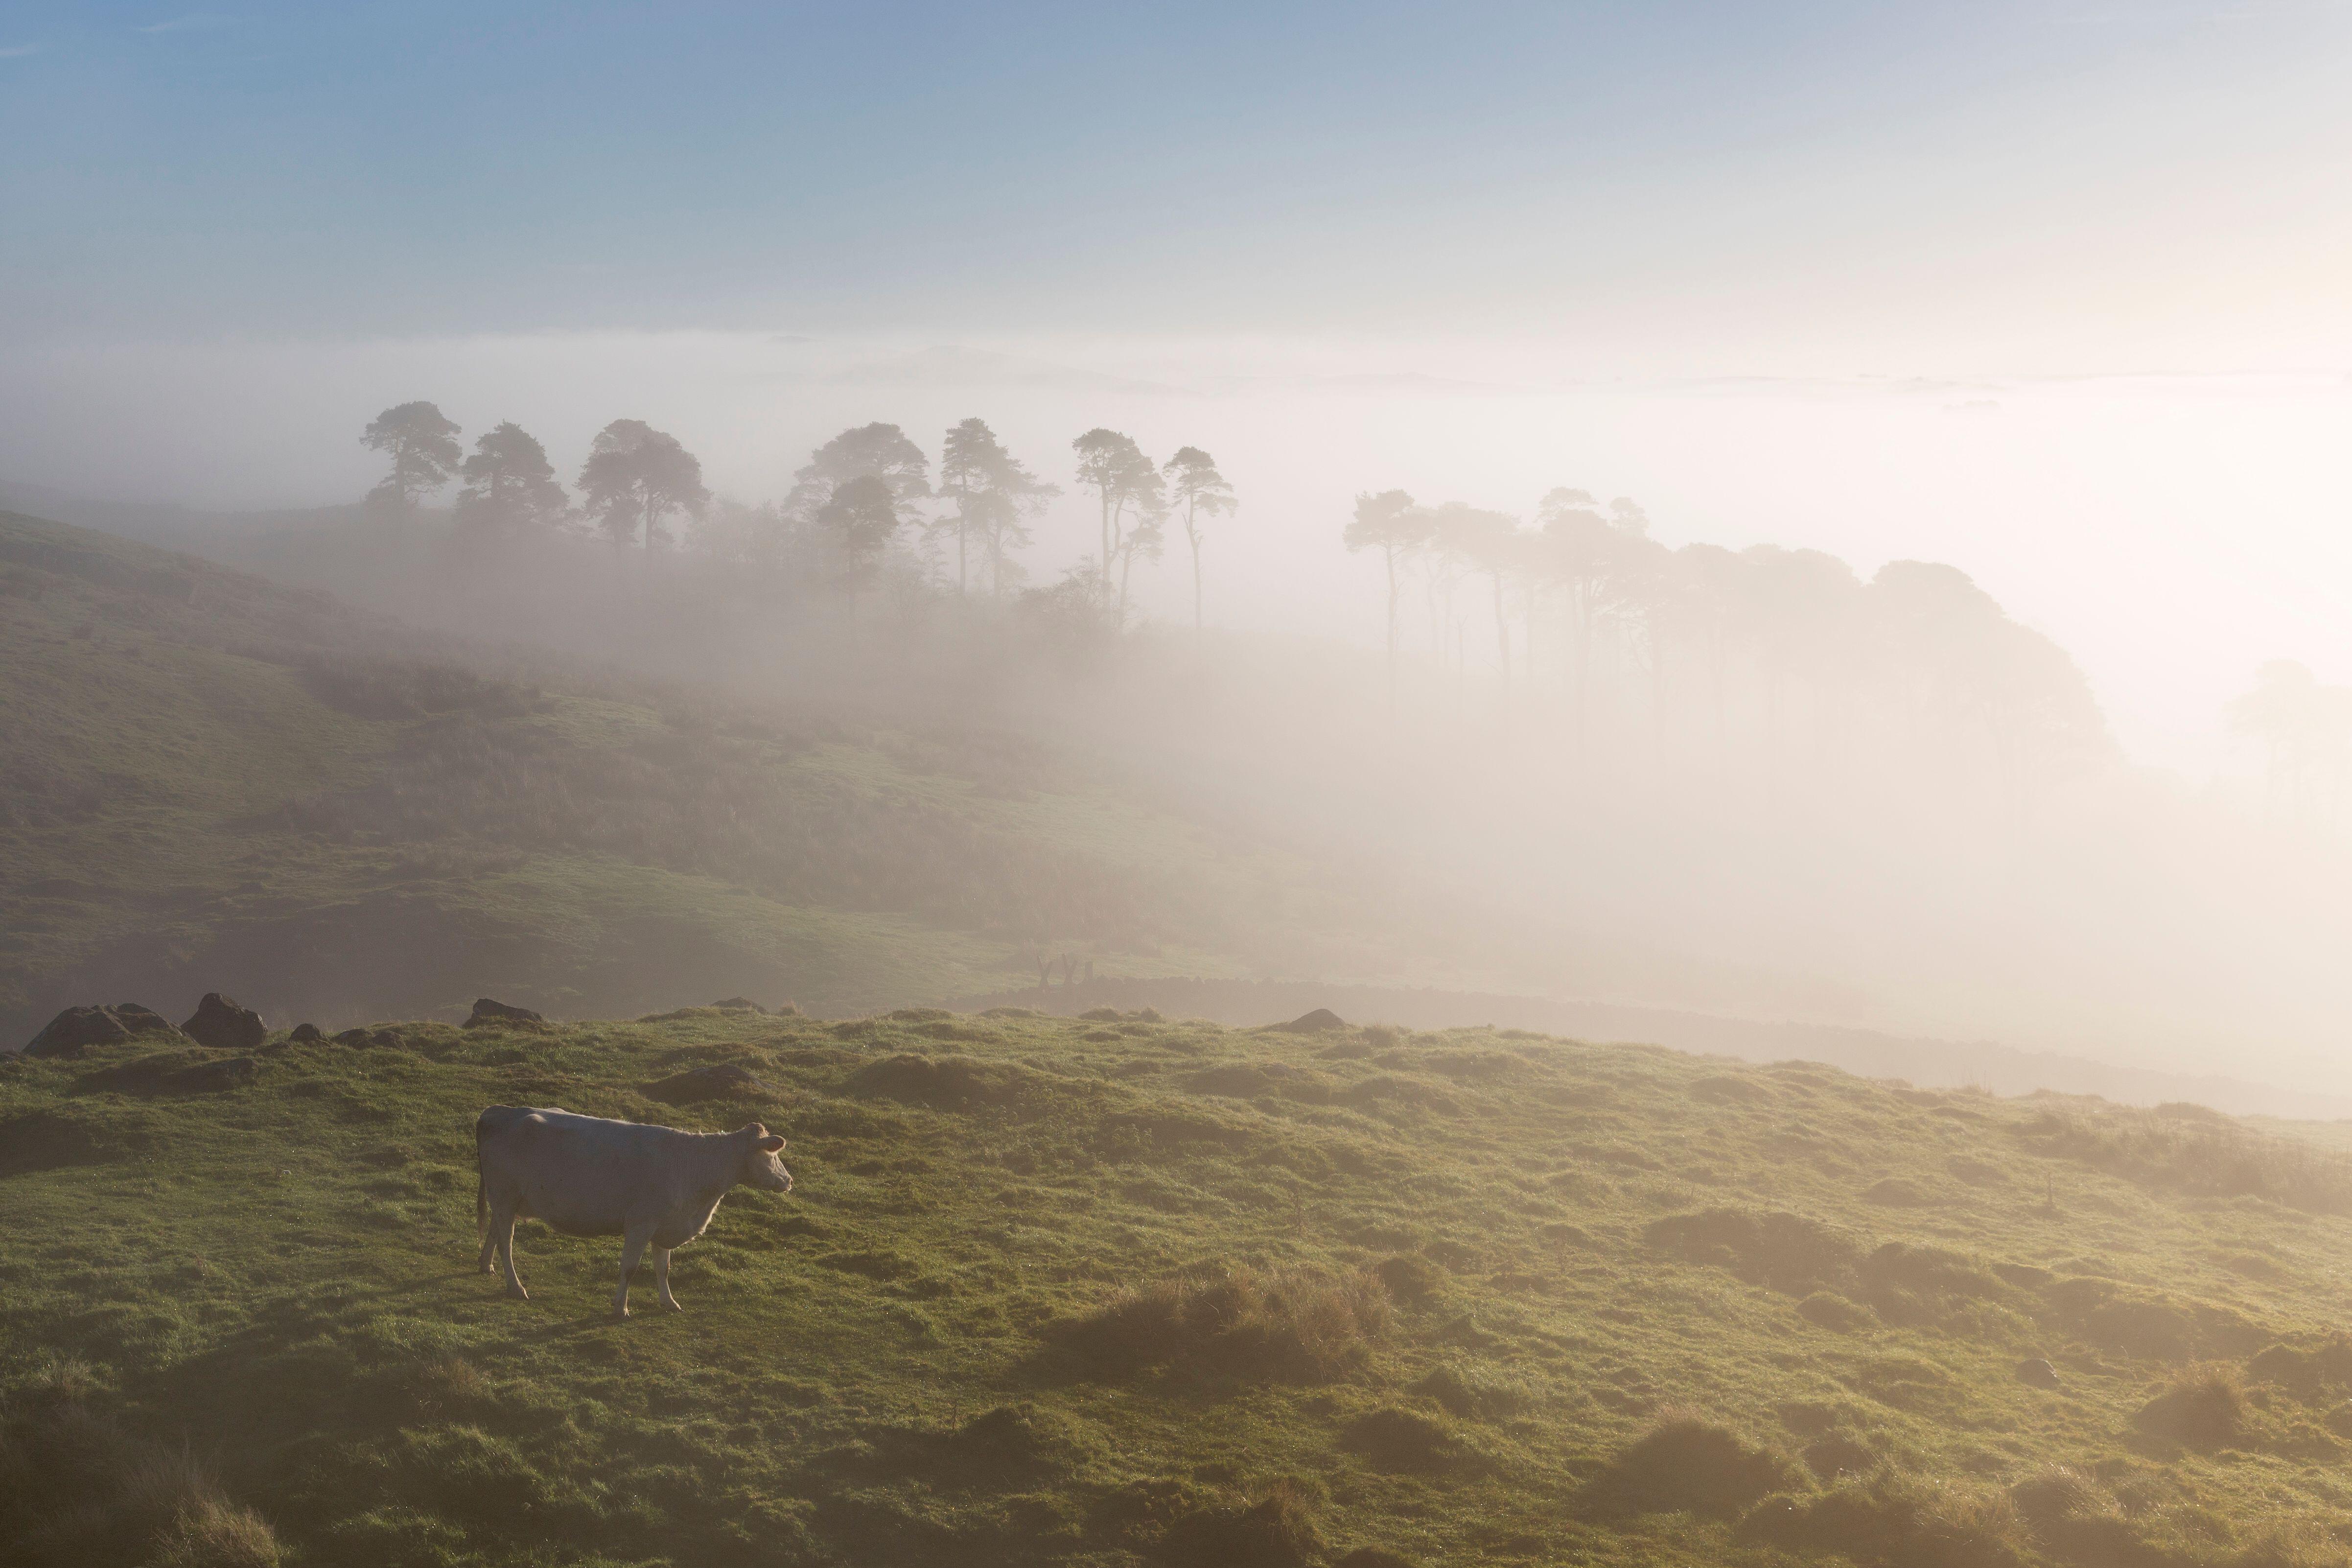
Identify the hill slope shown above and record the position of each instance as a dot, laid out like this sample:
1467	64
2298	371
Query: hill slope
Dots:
1115	1289
215	782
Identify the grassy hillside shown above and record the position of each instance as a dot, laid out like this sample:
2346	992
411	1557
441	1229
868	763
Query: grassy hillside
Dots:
215	782
1121	1291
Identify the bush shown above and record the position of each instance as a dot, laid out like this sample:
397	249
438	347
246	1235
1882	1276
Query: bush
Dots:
1688	1464
1291	1325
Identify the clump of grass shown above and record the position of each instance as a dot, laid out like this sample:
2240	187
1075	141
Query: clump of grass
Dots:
2204	1153
75	1489
2203	1408
1895	1519
1787	1252
1831	1311
948	1083
1686	1464
1291	1324
1398	1439
1472	1390
1277	1531
1409	1280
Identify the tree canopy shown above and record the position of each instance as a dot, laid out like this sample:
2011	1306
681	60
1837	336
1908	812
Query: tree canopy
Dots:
424	450
509	486
635	478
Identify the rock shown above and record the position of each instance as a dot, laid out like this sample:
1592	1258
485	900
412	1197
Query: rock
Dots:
489	1011
354	1038
388	1039
738	1005
722	1081
2038	1373
1321	1021
305	1034
220	1023
76	1029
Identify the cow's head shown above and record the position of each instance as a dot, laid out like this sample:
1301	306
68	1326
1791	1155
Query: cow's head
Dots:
761	1166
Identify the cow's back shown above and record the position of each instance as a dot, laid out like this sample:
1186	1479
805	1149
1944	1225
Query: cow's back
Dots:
584	1175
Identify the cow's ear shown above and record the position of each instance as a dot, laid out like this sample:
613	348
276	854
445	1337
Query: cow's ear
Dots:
772	1144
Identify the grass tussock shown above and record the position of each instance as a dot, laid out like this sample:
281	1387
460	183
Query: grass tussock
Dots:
1276	1530
1896	1521
2205	1153
2204	1406
1290	1325
1688	1464
77	1491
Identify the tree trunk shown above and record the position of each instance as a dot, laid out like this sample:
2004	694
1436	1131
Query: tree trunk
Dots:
1196	581
1502	639
1391	555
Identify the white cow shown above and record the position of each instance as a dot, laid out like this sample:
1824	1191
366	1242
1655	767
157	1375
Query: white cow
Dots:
587	1176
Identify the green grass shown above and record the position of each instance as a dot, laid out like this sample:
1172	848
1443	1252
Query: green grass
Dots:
1121	1290
209	782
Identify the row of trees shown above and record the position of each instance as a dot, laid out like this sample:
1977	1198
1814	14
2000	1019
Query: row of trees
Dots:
861	495
1692	629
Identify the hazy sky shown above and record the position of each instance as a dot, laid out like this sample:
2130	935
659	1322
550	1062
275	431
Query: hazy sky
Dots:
1897	188
2060	293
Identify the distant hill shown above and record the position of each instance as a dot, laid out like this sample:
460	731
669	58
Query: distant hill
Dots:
1983	1065
215	782
1117	1290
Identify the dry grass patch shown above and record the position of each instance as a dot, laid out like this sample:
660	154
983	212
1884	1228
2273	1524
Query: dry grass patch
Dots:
1293	1325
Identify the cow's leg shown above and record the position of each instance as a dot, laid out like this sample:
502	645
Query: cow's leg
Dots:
661	1278
632	1248
502	1229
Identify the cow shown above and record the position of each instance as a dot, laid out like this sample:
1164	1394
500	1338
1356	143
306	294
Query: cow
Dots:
584	1175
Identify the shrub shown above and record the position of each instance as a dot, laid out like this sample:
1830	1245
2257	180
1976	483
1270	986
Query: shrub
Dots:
2203	1408
1686	1464
1292	1325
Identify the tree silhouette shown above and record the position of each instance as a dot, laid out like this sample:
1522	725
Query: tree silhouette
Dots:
991	492
1489	542
858	521
2306	727
1125	481
1395	525
509	486
876	451
1144	537
635	478
424	450
1195	485
1586	554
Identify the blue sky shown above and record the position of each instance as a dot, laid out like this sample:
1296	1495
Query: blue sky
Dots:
1894	181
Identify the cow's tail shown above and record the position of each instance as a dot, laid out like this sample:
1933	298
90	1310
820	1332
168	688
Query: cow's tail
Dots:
481	1188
